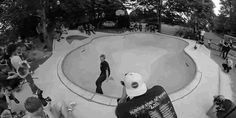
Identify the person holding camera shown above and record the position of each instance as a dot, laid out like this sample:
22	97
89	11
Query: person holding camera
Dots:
139	102
224	107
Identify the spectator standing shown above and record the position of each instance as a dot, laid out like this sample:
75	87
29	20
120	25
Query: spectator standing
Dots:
202	34
140	27
221	45
209	43
87	30
225	50
58	31
228	48
91	28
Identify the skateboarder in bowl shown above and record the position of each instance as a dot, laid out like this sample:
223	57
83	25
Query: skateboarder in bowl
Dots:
104	75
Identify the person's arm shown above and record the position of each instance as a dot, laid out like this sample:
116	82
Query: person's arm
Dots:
12	75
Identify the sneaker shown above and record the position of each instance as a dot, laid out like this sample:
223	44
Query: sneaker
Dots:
48	99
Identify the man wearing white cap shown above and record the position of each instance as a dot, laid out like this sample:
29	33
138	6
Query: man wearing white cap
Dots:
139	102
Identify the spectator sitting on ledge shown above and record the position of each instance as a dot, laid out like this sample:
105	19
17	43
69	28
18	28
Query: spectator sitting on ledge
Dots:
228	65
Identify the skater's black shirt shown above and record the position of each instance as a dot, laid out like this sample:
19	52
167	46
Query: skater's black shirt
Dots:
103	67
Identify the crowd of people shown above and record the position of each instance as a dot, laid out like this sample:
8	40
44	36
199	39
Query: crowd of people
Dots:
88	28
15	71
134	27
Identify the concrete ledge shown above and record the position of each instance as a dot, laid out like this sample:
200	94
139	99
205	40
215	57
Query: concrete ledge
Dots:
111	101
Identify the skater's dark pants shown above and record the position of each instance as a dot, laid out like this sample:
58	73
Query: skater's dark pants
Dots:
99	81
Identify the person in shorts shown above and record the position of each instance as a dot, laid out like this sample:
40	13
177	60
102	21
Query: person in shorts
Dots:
139	102
104	75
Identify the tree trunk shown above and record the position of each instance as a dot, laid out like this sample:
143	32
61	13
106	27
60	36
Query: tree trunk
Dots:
46	38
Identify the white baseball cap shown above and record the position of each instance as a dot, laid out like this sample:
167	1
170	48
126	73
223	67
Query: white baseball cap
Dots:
134	84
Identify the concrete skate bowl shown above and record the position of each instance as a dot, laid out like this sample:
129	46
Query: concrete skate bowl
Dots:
161	60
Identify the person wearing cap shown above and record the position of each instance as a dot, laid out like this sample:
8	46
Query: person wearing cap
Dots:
139	102
104	75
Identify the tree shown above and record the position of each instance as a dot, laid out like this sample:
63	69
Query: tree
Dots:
222	24
226	7
233	18
191	12
14	15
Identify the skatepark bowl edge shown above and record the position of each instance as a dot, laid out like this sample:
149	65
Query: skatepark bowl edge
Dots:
161	59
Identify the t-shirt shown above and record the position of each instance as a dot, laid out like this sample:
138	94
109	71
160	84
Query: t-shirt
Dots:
155	103
103	67
16	61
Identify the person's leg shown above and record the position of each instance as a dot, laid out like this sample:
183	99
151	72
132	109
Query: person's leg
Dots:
43	100
226	53
30	81
99	81
227	69
93	31
223	54
59	37
35	89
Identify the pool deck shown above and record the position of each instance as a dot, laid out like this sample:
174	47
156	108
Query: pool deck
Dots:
194	102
